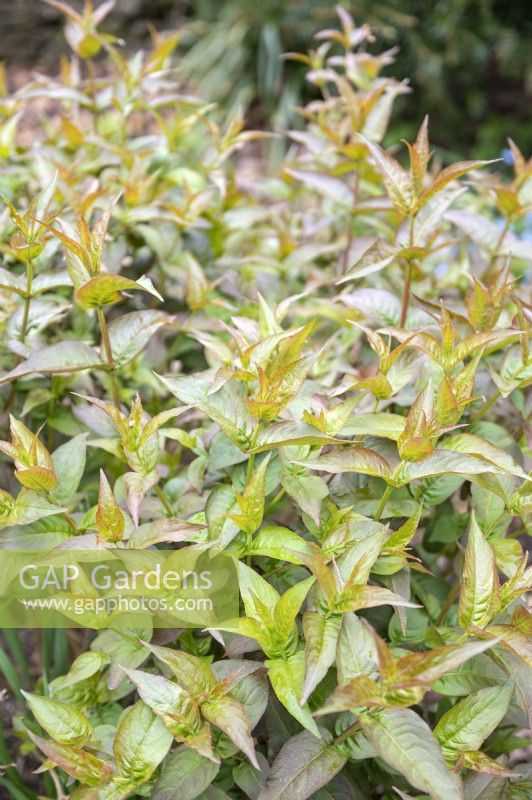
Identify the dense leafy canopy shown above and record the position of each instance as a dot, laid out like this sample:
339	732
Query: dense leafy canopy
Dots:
321	371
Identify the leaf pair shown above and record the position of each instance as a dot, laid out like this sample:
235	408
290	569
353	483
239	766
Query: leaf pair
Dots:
407	190
197	700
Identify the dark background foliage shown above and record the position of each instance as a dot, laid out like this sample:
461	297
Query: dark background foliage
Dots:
469	60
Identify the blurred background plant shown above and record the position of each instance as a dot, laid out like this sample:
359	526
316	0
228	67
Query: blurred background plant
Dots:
470	57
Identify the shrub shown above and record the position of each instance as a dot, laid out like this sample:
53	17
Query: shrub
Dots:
321	372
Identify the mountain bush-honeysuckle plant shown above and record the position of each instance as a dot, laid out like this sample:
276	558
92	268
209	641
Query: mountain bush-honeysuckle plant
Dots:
321	371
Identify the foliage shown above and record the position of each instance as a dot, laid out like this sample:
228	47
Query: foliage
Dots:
322	372
470	57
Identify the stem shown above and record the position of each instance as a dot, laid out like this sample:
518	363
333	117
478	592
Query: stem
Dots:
164	500
27	301
279	496
351	731
408	282
384	499
451	597
251	460
59	793
486	407
406	296
66	516
109	355
495	254
250	465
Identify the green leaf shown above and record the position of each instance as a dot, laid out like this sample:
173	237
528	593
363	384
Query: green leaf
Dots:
479	672
396	180
130	333
356	563
164	530
110	520
400	538
286	677
486	233
118	788
225	406
192	673
106	289
284	434
467	724
12	282
62	722
280	543
303	766
220	505
450	173
85	666
61	358
327	185
185	774
389	426
357	597
288	607
29	507
77	763
418	669
51	279
124	647
251	502
163	696
228	714
479	593
137	486
69	465
475	445
356	651
443	462
250	779
308	491
178	710
378	256
489	787
351	459
258	596
405	742
142	741
248	685
338	788
321	637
